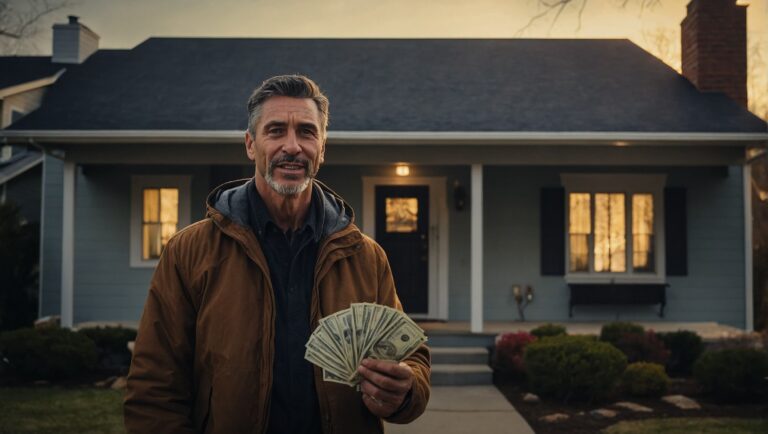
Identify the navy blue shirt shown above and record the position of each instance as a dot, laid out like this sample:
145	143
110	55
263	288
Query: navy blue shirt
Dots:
291	258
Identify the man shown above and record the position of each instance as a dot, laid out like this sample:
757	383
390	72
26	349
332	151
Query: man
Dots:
235	297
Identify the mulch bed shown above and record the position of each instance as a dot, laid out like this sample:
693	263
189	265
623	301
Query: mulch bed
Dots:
583	423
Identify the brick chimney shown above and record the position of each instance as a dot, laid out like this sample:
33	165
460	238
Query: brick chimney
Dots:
73	42
714	46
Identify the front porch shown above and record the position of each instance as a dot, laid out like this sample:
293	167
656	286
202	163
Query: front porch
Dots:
709	331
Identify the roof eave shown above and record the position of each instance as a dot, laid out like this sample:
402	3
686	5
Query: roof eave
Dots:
591	138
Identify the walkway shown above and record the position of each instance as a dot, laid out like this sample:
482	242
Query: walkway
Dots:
463	410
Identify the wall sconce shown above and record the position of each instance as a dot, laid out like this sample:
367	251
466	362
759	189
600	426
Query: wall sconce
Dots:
459	196
522	299
402	170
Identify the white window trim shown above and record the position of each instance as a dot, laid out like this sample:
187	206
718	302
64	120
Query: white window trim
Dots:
140	182
619	183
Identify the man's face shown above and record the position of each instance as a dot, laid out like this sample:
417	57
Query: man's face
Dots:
289	144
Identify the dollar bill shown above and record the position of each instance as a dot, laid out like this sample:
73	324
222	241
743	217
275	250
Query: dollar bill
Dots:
344	338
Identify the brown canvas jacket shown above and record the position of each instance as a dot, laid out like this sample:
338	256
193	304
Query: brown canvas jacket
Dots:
202	361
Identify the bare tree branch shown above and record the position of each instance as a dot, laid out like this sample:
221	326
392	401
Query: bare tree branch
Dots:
757	80
557	7
20	20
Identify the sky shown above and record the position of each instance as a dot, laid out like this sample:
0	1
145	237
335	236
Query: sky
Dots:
126	23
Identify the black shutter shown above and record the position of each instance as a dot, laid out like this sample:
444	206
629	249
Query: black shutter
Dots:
676	231
552	218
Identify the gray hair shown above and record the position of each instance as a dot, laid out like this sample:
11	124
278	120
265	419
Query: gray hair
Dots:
297	86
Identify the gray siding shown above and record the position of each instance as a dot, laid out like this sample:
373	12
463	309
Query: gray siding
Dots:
712	291
106	287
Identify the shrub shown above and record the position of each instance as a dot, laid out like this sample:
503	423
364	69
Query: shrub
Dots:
613	331
508	357
47	354
645	380
684	348
644	347
732	375
573	367
111	346
549	329
19	246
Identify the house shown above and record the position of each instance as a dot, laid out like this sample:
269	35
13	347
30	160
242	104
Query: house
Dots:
23	83
585	170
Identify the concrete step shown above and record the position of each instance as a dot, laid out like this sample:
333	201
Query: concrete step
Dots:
444	374
437	339
457	355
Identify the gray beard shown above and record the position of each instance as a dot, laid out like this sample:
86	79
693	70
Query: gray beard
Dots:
288	190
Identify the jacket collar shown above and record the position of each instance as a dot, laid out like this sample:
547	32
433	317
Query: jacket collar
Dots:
227	206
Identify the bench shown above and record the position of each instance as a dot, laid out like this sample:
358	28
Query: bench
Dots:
618	294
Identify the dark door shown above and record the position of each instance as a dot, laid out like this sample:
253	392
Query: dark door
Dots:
402	229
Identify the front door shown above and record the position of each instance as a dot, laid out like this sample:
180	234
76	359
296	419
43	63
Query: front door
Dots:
402	229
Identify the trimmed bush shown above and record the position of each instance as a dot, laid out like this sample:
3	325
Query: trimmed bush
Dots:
111	346
613	331
47	354
684	348
643	347
732	375
573	367
643	379
508	357
549	329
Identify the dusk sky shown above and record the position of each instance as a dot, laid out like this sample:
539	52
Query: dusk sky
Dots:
126	23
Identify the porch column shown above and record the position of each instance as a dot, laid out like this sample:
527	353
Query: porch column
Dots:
476	252
748	296
68	245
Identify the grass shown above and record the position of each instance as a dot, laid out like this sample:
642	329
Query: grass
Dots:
690	425
43	410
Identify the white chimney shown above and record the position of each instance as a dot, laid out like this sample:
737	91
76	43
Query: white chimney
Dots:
73	42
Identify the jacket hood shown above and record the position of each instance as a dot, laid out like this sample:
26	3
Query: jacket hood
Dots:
231	200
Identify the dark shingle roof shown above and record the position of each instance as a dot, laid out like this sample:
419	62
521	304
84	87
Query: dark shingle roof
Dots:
391	85
21	69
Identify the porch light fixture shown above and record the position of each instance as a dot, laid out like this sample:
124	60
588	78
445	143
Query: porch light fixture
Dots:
402	169
620	143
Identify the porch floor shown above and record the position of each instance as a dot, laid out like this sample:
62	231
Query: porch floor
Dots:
707	330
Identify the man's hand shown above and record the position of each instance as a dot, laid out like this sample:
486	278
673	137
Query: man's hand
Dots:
385	384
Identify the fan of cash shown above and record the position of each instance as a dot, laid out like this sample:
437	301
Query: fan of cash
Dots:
364	330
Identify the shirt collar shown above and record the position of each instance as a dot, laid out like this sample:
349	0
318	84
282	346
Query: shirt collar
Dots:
261	220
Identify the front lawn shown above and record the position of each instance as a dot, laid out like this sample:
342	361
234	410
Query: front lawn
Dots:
43	410
690	425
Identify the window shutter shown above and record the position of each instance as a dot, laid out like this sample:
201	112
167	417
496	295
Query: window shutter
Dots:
552	229
676	231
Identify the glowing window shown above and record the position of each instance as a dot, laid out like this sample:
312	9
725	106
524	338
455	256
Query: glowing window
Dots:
402	214
610	233
643	256
598	237
160	218
579	229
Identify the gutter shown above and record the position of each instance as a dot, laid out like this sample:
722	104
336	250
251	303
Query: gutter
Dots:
363	138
